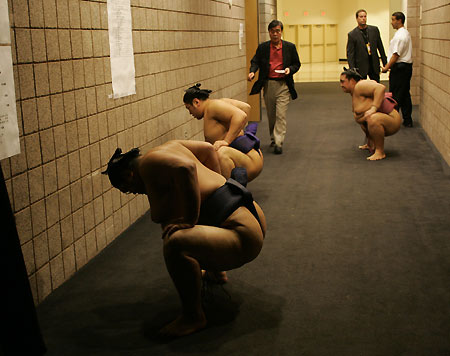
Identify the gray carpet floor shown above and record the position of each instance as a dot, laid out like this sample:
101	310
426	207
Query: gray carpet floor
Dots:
356	259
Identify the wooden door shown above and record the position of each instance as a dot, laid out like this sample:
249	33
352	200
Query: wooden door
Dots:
252	41
290	33
304	43
317	37
331	43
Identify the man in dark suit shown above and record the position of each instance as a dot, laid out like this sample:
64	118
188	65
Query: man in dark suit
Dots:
277	61
363	45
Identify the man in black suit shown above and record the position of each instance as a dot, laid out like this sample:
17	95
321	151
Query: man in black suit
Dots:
277	61
362	45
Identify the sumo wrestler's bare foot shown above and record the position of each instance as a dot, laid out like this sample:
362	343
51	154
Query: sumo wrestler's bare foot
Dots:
367	147
215	277
183	326
364	147
377	156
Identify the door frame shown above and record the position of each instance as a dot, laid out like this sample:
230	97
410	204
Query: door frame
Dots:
251	44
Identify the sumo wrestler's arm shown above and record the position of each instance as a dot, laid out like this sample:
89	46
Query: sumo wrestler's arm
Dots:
172	188
204	152
373	90
231	117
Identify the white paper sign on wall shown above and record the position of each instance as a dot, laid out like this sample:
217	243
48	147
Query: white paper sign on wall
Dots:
9	130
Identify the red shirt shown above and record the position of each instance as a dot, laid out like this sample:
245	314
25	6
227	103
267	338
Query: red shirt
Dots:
276	61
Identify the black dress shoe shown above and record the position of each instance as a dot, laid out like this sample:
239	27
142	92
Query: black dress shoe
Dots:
278	150
408	124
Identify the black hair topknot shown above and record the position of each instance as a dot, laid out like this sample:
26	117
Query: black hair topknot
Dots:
119	162
194	92
352	73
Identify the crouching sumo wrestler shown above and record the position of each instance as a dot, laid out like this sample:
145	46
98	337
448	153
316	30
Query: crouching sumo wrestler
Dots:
209	223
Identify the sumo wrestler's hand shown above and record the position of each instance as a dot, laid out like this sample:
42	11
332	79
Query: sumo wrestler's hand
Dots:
219	144
169	229
370	112
358	117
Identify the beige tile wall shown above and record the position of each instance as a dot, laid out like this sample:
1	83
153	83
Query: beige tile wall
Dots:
267	13
413	26
66	211
434	80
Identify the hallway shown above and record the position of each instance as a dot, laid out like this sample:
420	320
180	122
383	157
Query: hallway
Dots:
324	72
355	261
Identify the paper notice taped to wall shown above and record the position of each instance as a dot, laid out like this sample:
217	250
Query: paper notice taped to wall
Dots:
9	130
241	34
121	48
4	23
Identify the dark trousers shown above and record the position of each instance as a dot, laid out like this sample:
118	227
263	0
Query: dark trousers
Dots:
374	73
399	85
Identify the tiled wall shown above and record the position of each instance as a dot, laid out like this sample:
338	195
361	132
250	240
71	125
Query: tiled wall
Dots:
435	73
413	26
267	13
66	211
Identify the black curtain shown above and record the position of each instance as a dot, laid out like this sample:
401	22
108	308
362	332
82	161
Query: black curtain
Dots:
20	333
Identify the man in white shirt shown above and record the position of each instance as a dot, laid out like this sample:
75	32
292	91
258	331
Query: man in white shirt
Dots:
400	65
